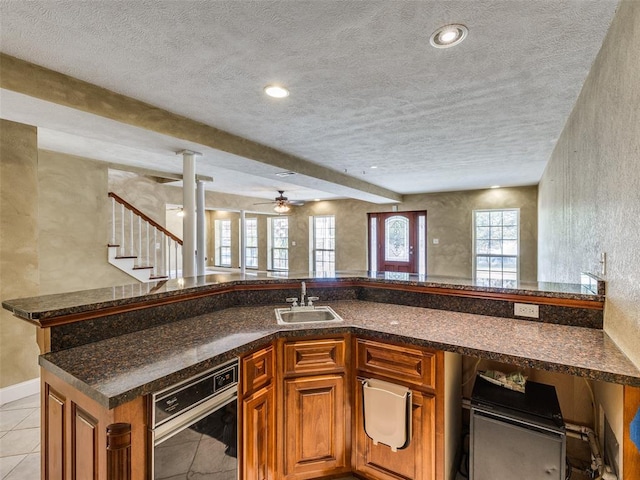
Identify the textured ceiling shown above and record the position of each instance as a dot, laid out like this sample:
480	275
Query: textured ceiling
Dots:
367	89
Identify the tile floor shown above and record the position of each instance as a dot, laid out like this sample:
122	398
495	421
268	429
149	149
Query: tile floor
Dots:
20	439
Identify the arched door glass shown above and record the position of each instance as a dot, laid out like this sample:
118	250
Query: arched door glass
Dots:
397	239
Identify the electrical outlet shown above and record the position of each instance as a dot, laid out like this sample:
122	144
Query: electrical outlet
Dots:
526	310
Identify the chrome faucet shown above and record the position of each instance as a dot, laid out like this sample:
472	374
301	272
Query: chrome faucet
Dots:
302	305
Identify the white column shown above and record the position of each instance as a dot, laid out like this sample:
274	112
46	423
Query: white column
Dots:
189	208
201	229
243	242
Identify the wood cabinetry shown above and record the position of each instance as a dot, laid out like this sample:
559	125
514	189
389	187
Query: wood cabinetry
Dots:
314	426
257	456
417	369
313	357
401	363
315	406
81	440
301	417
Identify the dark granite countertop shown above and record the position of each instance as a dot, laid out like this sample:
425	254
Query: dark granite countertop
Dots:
119	369
55	305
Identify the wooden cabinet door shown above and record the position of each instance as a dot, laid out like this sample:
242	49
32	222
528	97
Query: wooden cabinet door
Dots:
82	440
70	448
257	370
53	434
84	444
314	427
416	462
258	458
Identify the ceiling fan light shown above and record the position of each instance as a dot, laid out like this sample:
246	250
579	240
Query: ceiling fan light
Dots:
281	208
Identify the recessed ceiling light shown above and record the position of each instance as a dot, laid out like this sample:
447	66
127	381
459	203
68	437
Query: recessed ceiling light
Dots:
276	91
316	199
448	36
495	186
374	166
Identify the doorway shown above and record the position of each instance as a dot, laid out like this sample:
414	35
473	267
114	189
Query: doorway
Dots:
398	242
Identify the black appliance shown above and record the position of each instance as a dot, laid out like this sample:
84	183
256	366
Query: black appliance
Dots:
194	427
516	435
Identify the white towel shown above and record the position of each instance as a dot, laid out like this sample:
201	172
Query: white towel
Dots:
387	413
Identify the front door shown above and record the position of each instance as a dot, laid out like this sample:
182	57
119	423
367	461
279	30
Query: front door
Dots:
396	240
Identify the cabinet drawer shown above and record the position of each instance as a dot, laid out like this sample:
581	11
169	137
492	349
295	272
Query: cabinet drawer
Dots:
396	363
314	356
257	370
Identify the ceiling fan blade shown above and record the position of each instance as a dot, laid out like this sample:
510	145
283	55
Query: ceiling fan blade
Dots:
282	200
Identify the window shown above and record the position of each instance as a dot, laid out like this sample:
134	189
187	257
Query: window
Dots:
279	244
251	236
222	243
396	242
324	245
496	247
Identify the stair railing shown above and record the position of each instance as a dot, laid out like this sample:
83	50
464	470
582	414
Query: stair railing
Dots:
137	236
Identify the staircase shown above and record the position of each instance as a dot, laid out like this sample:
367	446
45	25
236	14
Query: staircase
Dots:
141	247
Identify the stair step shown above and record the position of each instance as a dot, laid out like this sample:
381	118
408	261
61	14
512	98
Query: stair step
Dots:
123	243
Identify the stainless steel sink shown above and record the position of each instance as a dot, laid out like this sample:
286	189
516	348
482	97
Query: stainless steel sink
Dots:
321	314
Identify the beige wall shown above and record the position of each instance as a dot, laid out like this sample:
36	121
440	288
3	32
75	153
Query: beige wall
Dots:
74	225
152	199
19	262
589	200
144	193
449	219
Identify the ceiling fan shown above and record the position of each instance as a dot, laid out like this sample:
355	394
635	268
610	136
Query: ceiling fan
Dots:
281	203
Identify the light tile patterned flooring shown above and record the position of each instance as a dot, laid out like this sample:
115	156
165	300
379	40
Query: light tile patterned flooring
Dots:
20	439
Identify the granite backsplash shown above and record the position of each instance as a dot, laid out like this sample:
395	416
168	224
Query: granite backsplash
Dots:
79	333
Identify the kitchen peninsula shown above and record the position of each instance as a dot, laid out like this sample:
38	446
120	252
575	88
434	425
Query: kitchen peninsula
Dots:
112	347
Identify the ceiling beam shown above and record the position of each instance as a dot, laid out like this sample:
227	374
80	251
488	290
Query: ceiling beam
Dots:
39	82
161	177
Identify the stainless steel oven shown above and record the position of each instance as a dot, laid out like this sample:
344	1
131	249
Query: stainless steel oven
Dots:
194	427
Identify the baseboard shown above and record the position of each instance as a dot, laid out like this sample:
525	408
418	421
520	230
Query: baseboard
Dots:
19	390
